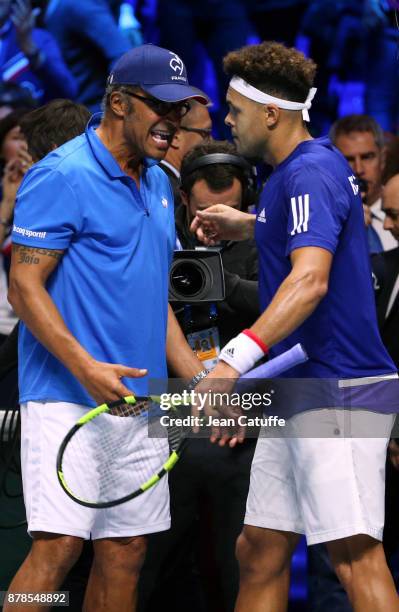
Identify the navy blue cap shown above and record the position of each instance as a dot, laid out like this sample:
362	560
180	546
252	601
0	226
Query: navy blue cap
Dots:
158	71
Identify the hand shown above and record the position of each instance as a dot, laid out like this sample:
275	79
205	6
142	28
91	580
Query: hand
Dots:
394	453
24	157
24	19
103	380
220	222
221	381
12	177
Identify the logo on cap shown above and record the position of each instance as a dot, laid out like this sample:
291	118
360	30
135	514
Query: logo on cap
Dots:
176	64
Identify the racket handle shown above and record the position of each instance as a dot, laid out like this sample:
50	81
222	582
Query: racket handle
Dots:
279	364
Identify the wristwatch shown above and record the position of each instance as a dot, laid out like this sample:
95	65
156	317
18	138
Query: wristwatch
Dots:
196	379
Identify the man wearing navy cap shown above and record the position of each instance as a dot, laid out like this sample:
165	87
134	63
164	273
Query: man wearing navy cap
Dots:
92	242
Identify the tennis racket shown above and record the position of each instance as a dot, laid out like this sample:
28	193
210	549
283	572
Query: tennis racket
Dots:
117	451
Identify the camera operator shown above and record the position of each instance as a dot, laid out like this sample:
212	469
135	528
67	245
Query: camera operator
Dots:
220	183
195	561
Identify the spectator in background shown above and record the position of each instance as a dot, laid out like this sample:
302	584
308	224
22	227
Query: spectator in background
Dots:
218	25
361	140
11	137
30	56
195	127
14	161
90	40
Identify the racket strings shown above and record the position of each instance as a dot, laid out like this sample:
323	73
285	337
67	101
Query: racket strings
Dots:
125	409
174	434
111	457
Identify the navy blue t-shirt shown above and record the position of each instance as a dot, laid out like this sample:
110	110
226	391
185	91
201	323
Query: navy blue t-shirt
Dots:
312	200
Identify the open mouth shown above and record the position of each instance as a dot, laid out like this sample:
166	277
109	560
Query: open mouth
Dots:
161	137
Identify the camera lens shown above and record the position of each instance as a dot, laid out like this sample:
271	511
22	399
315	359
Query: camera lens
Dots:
187	279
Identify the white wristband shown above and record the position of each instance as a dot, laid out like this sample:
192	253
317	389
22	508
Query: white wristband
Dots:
241	353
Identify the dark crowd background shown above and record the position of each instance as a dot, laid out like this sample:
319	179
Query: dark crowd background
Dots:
66	48
74	44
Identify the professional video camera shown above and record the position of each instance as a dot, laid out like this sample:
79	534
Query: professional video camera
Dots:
196	276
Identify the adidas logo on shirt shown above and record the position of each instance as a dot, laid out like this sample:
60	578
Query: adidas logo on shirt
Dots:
230	352
300	214
262	216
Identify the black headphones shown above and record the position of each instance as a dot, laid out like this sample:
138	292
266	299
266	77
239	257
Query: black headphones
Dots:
250	187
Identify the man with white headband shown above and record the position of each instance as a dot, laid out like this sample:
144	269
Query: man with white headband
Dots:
315	288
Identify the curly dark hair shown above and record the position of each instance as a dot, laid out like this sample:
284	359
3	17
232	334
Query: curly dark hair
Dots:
274	69
217	176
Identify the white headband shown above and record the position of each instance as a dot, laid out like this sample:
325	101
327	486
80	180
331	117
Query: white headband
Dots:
256	95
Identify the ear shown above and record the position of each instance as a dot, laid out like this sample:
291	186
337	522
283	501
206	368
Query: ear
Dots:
272	113
184	197
118	104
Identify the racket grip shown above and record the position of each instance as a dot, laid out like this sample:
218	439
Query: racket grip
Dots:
279	364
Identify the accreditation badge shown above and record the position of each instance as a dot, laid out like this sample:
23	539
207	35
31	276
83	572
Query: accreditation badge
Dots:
206	344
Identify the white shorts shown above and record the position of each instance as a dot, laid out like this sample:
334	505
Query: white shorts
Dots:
327	487
48	507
